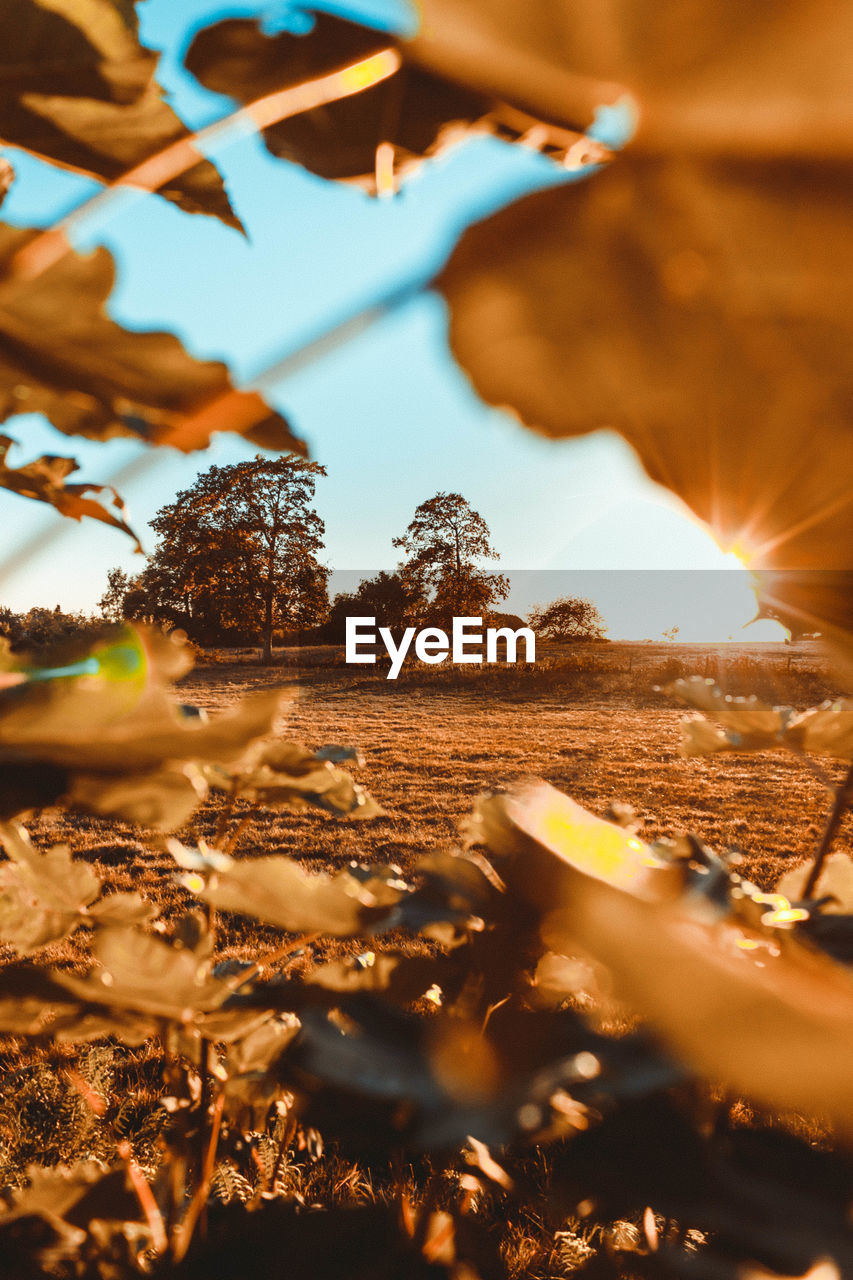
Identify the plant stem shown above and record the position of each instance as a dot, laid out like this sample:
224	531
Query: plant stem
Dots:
843	794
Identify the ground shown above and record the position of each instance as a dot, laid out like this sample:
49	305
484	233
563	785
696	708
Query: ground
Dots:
587	720
590	720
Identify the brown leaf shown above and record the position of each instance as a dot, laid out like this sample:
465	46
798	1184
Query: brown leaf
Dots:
694	296
77	88
7	177
748	724
684	306
44	480
109	727
286	775
144	973
718	76
42	895
414	113
64	357
773	1024
277	891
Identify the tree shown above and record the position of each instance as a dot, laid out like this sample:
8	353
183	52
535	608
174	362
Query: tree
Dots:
568	618
239	549
111	603
443	545
393	599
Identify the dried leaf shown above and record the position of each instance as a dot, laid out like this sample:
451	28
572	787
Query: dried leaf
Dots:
692	297
404	120
144	973
44	480
79	89
589	847
747	724
163	799
277	891
835	883
707	77
42	895
774	1025
77	1194
121	909
826	730
289	776
339	140
108	728
63	356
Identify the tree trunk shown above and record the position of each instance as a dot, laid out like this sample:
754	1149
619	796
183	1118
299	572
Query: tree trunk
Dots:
267	654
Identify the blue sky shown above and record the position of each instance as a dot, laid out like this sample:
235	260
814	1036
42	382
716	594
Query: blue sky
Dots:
389	414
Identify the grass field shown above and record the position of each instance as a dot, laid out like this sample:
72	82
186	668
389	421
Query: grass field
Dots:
589	721
433	742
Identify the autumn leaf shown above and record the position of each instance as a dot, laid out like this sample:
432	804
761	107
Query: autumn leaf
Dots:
413	115
770	1023
63	356
693	296
44	480
146	974
78	89
106	726
286	775
277	891
42	895
748	724
7	177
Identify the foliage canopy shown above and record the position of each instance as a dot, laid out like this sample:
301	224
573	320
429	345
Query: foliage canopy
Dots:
568	618
240	548
443	545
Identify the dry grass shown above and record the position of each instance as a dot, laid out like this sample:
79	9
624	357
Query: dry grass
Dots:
432	744
431	748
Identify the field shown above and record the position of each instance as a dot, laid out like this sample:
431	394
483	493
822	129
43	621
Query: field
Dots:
590	722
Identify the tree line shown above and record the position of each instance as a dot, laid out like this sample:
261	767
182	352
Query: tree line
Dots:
238	558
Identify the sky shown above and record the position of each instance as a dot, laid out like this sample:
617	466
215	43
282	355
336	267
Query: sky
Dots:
388	413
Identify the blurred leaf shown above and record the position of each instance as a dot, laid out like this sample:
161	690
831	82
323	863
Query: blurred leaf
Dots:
63	356
692	296
42	895
414	115
106	718
747	724
835	883
77	1194
44	480
718	76
289	776
79	89
277	891
825	730
338	140
30	1001
7	177
775	1025
145	973
588	847
402	978
122	908
164	799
